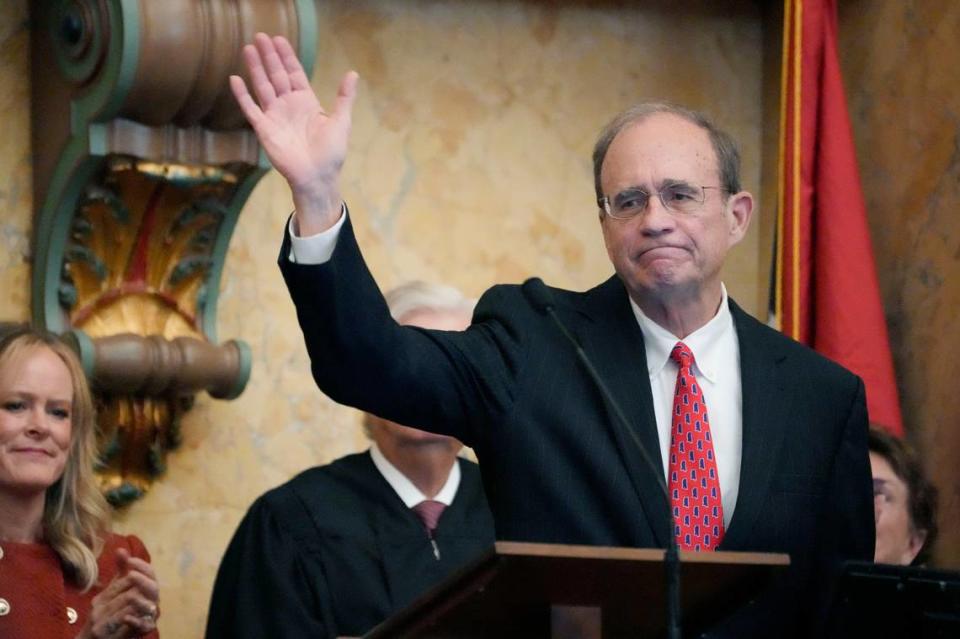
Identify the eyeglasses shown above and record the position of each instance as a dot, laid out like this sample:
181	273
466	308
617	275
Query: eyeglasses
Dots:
677	198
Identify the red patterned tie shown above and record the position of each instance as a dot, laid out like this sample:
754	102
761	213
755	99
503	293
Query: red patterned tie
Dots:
693	481
429	512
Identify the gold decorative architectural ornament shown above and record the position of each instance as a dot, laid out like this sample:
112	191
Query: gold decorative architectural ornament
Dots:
142	163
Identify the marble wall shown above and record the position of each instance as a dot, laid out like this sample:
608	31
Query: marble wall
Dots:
16	195
469	164
905	106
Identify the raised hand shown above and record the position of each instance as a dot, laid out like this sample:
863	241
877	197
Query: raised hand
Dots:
127	607
305	143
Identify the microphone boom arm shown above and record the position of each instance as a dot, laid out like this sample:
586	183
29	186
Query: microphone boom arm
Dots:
540	298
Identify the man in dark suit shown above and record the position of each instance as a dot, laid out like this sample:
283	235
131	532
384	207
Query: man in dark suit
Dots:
777	463
339	548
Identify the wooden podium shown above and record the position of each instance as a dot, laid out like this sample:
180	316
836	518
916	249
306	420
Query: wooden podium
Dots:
582	592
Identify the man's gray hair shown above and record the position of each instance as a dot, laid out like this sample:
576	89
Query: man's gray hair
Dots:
724	147
425	296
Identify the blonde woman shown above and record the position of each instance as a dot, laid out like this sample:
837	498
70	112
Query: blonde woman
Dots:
62	573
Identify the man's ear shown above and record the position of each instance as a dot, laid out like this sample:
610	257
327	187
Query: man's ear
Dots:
740	207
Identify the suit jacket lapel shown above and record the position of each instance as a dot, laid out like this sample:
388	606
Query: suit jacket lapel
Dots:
765	418
614	343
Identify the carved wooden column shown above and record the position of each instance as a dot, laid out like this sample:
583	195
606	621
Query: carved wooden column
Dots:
142	162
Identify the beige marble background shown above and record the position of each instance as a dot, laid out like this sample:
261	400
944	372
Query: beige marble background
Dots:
16	198
469	164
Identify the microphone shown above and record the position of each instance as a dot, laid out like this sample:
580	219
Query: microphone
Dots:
541	299
537	293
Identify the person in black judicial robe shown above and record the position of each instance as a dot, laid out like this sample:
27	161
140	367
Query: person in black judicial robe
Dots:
335	551
338	549
557	467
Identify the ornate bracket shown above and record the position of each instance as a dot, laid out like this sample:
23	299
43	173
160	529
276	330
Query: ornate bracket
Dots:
142	163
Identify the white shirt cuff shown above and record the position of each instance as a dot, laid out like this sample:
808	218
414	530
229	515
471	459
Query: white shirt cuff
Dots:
315	249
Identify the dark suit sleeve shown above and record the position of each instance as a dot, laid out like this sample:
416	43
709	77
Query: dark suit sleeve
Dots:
851	512
848	531
447	382
265	587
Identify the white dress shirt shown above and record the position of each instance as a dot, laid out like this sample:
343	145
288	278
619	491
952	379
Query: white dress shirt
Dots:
714	346
315	249
405	489
716	351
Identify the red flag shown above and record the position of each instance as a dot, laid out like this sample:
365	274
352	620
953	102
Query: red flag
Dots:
827	295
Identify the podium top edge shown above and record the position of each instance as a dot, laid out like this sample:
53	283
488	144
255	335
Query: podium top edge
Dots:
521	549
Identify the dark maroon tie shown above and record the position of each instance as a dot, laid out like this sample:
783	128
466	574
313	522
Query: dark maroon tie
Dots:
694	484
429	512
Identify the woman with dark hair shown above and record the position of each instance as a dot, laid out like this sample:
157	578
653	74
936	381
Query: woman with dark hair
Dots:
62	573
905	503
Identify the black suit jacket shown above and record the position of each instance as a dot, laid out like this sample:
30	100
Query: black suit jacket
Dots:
556	466
335	551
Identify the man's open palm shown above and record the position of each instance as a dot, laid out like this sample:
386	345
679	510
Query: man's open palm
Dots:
305	143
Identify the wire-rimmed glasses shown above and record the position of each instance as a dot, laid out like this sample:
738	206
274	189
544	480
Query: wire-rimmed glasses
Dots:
676	197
